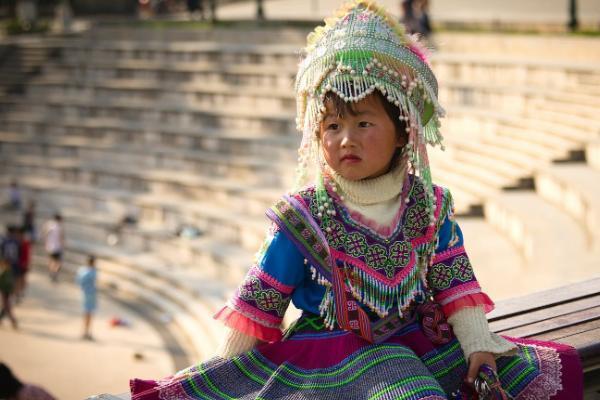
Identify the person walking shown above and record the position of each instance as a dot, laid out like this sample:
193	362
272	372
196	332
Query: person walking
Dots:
86	279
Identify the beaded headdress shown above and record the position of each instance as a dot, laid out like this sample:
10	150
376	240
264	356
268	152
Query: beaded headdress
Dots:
360	50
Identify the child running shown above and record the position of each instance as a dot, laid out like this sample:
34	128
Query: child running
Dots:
369	249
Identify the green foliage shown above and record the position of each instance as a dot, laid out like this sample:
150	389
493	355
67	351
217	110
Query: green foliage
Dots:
16	27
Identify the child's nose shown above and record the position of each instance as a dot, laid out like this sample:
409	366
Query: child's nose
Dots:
348	138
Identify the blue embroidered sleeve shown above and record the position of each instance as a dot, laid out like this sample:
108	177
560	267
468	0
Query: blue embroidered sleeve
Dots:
451	275
259	304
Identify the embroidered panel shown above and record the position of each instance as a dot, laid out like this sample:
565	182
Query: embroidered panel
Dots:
262	298
386	256
451	275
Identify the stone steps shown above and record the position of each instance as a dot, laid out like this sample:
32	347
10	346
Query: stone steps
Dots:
546	47
200	94
188	113
148	281
163	214
247	35
223	53
592	154
113	132
229	193
560	134
251	169
571	187
253	120
514	71
549	239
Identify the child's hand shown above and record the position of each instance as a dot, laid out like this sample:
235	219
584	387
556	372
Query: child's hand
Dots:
476	360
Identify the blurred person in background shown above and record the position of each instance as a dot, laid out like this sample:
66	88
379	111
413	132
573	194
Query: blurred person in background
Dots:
29	221
415	17
14	196
12	388
24	260
86	279
7	286
10	250
54	243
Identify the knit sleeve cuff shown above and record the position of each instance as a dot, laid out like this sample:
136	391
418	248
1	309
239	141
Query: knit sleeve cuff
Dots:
236	343
472	331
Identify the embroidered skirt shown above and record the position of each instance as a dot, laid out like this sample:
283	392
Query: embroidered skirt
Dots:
313	362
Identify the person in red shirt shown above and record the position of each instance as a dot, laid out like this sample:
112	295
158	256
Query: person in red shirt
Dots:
24	260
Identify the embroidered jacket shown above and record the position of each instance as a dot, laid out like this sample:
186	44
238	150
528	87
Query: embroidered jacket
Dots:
385	275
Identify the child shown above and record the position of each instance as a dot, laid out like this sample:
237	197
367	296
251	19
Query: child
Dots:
369	250
86	278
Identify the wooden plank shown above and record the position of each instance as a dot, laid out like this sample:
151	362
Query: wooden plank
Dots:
545	298
554	323
587	347
561	310
579	329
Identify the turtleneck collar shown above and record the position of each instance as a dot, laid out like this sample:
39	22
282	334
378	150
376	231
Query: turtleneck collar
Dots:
371	191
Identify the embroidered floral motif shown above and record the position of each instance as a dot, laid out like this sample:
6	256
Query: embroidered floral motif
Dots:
263	294
335	234
388	255
415	221
377	258
400	253
461	268
356	244
249	288
270	299
440	276
451	272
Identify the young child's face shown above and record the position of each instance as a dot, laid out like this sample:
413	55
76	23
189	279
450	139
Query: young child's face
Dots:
359	145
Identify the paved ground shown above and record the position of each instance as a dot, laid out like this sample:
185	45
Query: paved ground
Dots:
47	348
441	10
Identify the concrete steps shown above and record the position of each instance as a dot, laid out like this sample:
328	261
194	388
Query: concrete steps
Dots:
548	238
251	169
574	188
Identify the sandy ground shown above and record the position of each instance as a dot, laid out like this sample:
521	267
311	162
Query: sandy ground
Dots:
47	349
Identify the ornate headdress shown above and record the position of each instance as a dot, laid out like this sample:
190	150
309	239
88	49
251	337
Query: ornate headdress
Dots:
361	50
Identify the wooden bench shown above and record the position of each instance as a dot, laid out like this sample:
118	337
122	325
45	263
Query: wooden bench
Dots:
569	315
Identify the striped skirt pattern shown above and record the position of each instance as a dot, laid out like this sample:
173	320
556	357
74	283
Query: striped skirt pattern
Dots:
312	362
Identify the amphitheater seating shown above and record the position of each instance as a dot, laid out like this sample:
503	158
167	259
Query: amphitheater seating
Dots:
201	132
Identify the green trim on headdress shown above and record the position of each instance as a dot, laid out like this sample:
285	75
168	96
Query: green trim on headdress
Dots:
361	50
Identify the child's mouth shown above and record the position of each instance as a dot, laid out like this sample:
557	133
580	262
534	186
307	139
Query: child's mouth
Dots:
350	159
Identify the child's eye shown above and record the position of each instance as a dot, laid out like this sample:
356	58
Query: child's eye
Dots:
332	127
364	124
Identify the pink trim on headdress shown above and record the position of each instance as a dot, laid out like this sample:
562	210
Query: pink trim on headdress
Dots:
240	322
419	51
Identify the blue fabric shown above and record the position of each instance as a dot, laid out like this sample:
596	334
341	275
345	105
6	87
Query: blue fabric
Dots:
86	278
284	262
449	234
